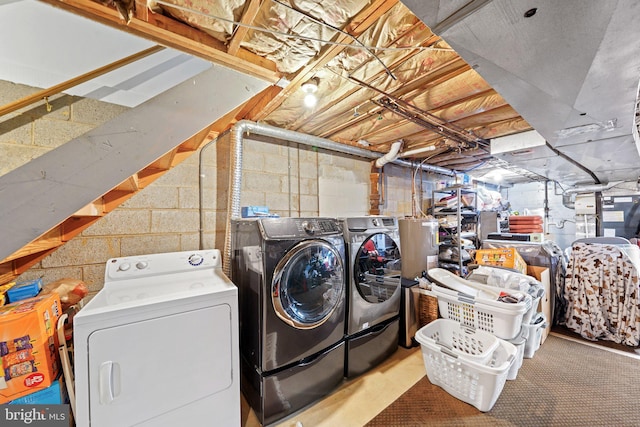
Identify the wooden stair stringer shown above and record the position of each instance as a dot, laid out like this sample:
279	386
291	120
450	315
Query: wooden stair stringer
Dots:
28	256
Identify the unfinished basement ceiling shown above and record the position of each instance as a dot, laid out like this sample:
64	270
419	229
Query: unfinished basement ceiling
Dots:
383	75
570	69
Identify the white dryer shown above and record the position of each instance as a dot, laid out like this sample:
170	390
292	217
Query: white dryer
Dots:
158	345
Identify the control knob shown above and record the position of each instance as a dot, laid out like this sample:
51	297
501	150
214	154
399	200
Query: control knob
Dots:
195	259
308	227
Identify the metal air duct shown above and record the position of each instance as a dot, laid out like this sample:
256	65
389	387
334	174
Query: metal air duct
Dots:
247	126
591	188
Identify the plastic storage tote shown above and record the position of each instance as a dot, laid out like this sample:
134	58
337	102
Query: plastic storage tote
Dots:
501	319
473	382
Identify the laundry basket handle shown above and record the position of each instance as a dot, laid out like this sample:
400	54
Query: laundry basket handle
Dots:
467	299
448	352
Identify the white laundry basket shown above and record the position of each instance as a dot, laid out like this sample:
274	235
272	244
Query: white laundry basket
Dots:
502	319
532	332
519	342
478	383
460	340
528	315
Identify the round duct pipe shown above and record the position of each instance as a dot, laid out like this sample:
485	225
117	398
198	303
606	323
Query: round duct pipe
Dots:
247	126
591	188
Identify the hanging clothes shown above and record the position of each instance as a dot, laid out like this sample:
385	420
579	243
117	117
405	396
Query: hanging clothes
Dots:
602	292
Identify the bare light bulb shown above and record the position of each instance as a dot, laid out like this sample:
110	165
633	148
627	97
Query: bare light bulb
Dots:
311	85
310	100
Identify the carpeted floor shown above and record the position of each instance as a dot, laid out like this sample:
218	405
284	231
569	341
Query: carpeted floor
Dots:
566	383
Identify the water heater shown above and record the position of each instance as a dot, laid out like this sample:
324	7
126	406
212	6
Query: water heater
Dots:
419	243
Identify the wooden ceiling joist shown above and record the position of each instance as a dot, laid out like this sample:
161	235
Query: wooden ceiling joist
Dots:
251	10
336	107
435	76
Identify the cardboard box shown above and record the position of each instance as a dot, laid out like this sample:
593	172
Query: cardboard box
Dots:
501	257
543	276
55	394
254	211
28	346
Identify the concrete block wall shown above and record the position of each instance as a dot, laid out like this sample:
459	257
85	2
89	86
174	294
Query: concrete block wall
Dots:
407	192
40	127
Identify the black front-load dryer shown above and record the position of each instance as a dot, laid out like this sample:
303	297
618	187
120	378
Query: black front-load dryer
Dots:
290	274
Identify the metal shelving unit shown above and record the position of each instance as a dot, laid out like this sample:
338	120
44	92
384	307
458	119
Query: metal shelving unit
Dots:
452	201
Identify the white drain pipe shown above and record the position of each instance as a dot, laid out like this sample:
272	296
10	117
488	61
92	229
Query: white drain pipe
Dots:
391	155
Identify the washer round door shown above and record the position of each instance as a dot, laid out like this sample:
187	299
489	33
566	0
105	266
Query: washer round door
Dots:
377	268
308	284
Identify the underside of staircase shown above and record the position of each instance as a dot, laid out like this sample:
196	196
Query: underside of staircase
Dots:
50	200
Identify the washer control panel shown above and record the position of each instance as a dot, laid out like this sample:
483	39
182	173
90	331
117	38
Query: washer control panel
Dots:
299	227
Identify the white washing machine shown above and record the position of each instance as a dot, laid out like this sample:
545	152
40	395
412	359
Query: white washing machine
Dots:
158	345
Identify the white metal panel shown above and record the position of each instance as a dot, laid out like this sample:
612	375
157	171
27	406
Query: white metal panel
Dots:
518	142
543	161
611	159
142	370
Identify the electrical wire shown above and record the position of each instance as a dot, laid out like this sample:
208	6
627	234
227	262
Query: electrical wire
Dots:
426	119
413	185
355	39
560	223
299	36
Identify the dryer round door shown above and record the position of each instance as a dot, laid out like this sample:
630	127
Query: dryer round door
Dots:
308	284
377	268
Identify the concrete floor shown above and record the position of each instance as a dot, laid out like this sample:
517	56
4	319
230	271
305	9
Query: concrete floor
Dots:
357	400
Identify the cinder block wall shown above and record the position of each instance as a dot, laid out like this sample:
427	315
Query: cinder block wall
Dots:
405	196
36	129
165	216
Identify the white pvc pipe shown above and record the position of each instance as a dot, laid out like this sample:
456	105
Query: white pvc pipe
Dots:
417	151
391	155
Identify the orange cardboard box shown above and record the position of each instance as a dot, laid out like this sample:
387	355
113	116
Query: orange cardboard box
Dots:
502	257
28	345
